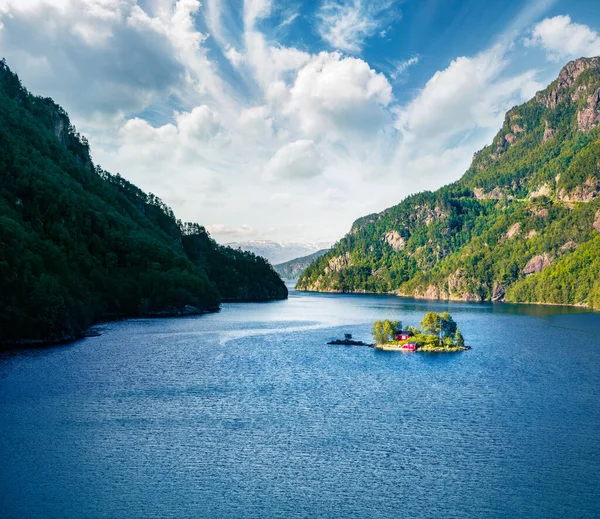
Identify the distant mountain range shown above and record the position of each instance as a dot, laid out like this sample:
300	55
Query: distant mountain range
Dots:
522	224
277	252
293	269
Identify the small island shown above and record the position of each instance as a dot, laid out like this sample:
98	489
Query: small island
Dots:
438	333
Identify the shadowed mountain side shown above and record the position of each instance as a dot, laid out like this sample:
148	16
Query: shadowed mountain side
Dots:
78	244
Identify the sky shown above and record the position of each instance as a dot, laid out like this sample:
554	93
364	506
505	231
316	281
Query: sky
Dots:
287	120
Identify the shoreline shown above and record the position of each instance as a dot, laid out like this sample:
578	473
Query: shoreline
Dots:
404	296
436	349
90	331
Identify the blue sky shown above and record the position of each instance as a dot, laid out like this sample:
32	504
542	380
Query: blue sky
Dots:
288	120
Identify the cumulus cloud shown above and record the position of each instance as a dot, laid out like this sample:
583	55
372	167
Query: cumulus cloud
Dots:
296	160
469	93
201	124
253	129
67	46
563	39
334	96
346	24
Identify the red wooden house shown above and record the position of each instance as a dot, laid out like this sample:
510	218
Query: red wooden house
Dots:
403	336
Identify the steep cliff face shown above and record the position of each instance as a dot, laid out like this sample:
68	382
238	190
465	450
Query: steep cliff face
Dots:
526	207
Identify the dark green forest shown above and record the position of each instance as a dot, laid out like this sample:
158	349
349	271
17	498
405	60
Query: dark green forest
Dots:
522	224
79	245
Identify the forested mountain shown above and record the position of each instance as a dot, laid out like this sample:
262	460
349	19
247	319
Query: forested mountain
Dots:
522	224
293	269
78	244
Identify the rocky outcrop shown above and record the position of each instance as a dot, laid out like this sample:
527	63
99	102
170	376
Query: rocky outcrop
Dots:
537	264
589	116
548	132
461	287
512	231
596	224
395	241
494	194
542	212
499	292
338	263
552	97
432	292
569	246
428	214
583	193
572	70
543	190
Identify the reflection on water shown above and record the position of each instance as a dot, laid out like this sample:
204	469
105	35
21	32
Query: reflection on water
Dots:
248	413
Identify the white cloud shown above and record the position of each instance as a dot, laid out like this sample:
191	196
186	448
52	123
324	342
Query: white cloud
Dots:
346	24
256	121
333	97
401	67
235	58
296	160
58	50
240	231
469	93
254	10
563	39
29	4
201	124
284	134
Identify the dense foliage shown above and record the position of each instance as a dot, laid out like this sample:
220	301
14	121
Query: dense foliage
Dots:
522	224
78	244
437	331
385	331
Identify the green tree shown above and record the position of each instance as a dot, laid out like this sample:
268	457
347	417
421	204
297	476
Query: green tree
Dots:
390	328
447	325
378	332
458	338
385	331
431	323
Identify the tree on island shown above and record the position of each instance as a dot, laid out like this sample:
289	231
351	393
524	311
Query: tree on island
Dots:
442	325
440	333
447	325
431	323
385	331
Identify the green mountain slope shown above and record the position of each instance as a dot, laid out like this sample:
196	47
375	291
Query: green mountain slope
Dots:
78	244
293	269
522	224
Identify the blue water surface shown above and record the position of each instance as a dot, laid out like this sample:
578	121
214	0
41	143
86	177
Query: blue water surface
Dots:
247	413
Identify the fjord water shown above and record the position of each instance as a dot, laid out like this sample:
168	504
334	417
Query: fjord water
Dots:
248	413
